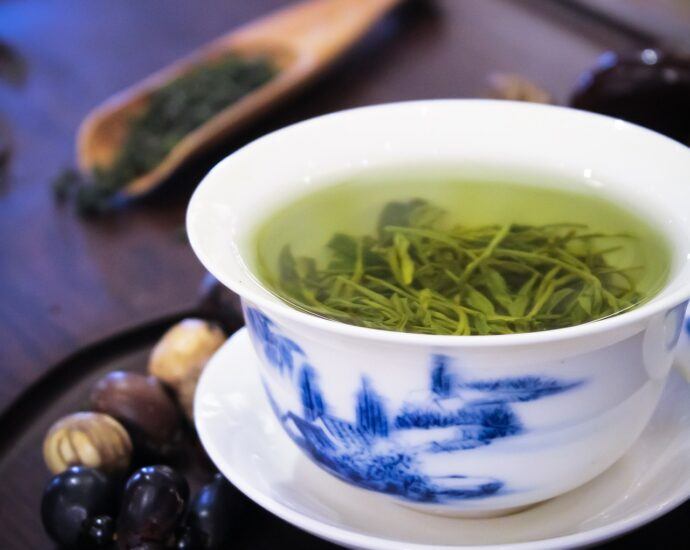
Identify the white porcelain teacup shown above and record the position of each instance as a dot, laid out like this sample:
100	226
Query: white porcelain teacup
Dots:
467	425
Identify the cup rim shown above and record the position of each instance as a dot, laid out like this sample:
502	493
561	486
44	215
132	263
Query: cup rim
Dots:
660	303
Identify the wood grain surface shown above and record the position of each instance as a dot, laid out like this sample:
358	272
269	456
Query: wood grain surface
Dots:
65	282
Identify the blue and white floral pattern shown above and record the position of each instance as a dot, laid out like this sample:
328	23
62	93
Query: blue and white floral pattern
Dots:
384	450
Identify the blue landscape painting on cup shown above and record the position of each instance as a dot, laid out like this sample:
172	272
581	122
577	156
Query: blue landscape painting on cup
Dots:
374	451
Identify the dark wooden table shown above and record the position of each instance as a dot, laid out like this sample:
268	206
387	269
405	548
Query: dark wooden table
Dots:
65	282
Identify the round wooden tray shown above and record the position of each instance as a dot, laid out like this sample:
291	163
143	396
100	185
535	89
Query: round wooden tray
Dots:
63	390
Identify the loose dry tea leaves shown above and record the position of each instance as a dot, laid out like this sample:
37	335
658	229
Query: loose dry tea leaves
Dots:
89	198
173	112
418	275
180	108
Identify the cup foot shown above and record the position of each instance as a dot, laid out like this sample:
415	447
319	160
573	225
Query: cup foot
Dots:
466	514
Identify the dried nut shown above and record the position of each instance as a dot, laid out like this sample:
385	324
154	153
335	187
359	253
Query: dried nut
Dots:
87	439
516	87
143	406
181	354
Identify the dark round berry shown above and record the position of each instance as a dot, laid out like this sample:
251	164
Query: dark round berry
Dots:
153	503
71	502
216	515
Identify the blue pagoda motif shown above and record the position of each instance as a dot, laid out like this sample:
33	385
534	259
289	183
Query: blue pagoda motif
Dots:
441	377
310	394
371	413
387	452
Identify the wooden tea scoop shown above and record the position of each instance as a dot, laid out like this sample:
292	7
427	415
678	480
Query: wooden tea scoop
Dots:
301	41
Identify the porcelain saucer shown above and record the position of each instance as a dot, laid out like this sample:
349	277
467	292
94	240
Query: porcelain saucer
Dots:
248	445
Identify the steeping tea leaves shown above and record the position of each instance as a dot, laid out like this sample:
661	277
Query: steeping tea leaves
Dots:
421	270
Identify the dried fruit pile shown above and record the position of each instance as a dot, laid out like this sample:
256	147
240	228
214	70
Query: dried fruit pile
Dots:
114	483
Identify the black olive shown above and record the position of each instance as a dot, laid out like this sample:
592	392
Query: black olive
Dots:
72	502
153	504
215	515
648	87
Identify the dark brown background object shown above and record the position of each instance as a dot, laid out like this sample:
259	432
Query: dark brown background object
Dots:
65	283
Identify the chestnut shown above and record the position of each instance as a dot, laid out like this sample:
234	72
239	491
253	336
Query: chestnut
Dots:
143	406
